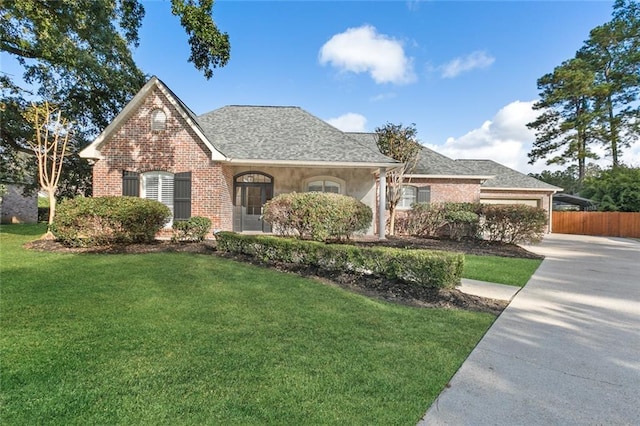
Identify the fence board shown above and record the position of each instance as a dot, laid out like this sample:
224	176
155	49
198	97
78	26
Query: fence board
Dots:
607	224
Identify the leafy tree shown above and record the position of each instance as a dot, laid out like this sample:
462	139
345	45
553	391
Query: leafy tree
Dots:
567	179
49	144
564	129
77	55
615	189
613	53
398	142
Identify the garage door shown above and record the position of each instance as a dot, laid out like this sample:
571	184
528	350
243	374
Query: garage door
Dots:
526	202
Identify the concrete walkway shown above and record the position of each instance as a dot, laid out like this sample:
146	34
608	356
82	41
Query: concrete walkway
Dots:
490	290
567	349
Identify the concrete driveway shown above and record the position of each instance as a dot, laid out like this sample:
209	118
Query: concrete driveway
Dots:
567	349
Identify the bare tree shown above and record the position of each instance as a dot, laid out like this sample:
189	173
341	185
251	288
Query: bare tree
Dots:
400	143
51	133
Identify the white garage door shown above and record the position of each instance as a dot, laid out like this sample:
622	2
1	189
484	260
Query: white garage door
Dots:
526	202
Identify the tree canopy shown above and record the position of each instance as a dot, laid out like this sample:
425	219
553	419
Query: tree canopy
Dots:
615	189
592	98
88	73
400	143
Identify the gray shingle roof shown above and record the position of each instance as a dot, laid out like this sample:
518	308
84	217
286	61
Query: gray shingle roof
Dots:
505	177
429	161
275	133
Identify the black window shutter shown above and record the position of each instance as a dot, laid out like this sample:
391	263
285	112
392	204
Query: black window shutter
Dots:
182	196
424	194
130	183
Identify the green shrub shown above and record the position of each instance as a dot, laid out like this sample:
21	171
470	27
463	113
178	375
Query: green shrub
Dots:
513	224
420	267
453	220
462	221
195	228
95	221
316	215
425	220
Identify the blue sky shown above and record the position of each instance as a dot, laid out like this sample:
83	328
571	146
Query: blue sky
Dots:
464	72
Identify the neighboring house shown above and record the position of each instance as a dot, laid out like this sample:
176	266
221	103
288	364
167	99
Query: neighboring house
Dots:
15	207
227	163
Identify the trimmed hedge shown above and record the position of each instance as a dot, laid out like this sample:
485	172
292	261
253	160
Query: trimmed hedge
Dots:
453	220
97	221
193	229
317	215
513	224
506	223
420	267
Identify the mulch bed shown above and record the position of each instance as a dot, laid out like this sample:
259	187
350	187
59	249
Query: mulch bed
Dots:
375	287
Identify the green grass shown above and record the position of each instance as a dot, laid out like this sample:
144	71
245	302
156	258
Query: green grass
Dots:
503	270
176	338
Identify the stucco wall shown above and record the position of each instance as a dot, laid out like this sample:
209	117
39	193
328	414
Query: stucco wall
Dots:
360	183
17	208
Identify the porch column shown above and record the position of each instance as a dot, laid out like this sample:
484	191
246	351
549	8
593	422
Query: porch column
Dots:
382	190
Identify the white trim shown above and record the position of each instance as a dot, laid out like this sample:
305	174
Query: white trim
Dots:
93	150
286	163
546	191
480	177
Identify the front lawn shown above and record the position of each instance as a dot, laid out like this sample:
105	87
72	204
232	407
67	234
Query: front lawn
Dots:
166	338
496	269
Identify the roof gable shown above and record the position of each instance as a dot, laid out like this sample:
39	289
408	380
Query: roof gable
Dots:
283	134
93	149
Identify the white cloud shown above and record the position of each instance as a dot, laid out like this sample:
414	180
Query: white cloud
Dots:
476	60
383	97
362	49
414	5
507	140
349	122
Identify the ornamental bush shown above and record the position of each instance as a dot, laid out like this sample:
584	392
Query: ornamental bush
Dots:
423	268
513	223
96	221
453	220
192	229
317	216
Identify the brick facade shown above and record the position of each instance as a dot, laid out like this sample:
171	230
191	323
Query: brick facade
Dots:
450	190
135	147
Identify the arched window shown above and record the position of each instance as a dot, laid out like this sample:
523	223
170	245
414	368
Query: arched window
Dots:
158	120
324	184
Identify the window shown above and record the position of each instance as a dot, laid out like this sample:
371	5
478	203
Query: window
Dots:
174	191
158	186
408	197
158	120
412	194
324	185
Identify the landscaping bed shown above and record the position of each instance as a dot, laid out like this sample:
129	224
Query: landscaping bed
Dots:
376	287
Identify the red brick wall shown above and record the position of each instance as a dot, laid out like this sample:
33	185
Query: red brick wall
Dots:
451	190
134	147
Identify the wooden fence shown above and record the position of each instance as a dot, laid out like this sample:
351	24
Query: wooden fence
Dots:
607	224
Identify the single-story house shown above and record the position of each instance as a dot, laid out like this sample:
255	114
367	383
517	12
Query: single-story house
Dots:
227	163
